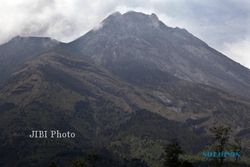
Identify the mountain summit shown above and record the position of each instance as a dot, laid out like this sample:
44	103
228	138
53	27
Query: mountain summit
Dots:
132	19
135	39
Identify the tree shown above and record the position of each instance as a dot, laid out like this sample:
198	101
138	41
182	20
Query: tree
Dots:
187	164
237	147
79	163
92	159
53	164
172	151
221	135
137	163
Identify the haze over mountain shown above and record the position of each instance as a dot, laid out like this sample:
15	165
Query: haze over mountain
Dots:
129	86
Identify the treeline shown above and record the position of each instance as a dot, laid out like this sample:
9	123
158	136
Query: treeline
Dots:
222	142
103	158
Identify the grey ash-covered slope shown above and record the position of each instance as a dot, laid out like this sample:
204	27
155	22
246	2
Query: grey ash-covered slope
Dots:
125	41
19	50
56	91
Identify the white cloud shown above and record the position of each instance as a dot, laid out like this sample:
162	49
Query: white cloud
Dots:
61	19
215	22
239	51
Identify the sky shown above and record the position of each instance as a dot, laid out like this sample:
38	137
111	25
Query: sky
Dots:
224	24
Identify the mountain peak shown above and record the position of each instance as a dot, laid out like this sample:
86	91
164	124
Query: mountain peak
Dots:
25	39
116	14
141	17
154	16
131	21
17	38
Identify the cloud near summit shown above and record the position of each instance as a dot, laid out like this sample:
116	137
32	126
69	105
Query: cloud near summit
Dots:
222	24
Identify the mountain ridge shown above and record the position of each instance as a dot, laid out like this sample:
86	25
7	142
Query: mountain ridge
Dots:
17	51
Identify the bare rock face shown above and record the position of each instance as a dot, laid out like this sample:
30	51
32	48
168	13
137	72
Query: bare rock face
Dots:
138	39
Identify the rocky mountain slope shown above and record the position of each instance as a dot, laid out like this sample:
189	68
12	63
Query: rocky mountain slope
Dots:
125	41
57	91
129	87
